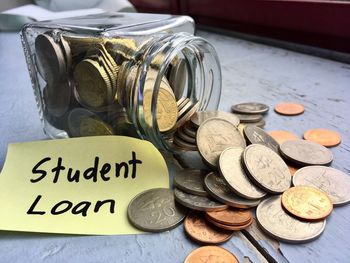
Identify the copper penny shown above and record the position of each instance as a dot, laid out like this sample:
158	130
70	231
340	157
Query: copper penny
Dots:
289	108
229	227
282	136
308	203
198	229
324	137
210	254
233	217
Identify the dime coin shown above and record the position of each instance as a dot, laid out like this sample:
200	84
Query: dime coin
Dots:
211	254
199	117
333	182
266	168
198	229
215	135
231	216
155	210
282	136
195	202
307	203
232	172
324	137
254	135
289	108
217	187
50	59
246	118
277	223
305	153
191	181
230	227
250	108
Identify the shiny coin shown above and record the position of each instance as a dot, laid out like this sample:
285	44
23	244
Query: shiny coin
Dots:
199	117
266	168
50	59
183	144
305	153
167	111
307	203
230	227
333	182
289	108
246	118
184	116
215	135
232	172
231	216
218	188
255	135
324	137
278	224
250	108
211	254
282	136
181	102
155	210
198	229
191	181
92	84
195	202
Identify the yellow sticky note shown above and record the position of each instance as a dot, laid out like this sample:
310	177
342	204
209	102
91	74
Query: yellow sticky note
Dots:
77	186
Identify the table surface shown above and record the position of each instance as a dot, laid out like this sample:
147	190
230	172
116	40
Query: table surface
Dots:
251	72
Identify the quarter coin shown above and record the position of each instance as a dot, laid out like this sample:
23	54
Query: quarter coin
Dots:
250	108
257	135
249	118
191	181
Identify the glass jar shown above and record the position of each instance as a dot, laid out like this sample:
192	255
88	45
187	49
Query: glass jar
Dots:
140	75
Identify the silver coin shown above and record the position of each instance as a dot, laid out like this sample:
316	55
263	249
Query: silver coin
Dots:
247	118
257	135
218	188
191	181
201	116
190	130
180	132
250	108
155	210
333	182
278	224
183	144
215	135
305	153
196	202
266	168
230	167
184	116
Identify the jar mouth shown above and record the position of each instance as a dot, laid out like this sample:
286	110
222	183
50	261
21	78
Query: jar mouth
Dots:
197	77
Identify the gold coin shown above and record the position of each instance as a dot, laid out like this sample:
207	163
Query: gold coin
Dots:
166	109
94	127
307	203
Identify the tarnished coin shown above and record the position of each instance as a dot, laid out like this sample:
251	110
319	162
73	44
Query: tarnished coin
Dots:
50	59
249	118
254	134
230	167
289	108
211	254
198	229
278	224
333	182
215	135
324	137
307	203
196	202
57	98
155	210
199	117
282	136
231	216
230	227
191	181
305	153
82	122
218	188
250	108
266	168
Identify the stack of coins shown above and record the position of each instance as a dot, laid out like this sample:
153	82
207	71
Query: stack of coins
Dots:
250	113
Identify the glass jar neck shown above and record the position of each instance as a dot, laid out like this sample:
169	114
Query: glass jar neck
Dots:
190	66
